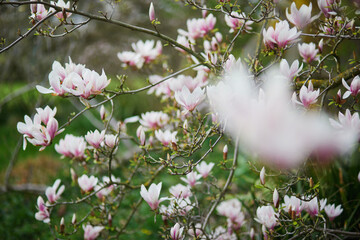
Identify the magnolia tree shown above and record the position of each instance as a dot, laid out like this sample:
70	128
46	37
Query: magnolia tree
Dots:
289	107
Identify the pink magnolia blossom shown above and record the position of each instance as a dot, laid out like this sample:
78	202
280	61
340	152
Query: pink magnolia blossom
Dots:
62	4
131	59
147	50
43	213
347	123
183	40
53	193
294	204
198	28
353	89
102	112
71	147
177	84
236	223
308	52
41	130
225	152
38	11
232	64
107	190
230	209
90	232
167	137
307	95
190	100
302	17
321	45
280	36
95	138
86	183
154	120
204	169
290	71
195	232
110	140
327	7
151	196
191	178
266	216
176	232
151	12
180	191
236	21
332	212
311	207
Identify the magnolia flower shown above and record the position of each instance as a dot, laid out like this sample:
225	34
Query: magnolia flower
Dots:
110	140
347	123
312	206
141	135
204	168
221	233
232	64
354	88
302	17
176	232
195	231
43	213
90	232
252	234
237	222
276	198
95	138
198	28
189	100
131	59
267	216
229	208
183	40
41	130
191	178
321	45
262	176
107	190
225	152
327	7
102	112
333	212
38	11
308	52
180	191
293	204
154	120
290	71
177	84
280	36
307	95
71	147
236	21
151	196
147	50
151	12
53	193
166	137
62	4
86	183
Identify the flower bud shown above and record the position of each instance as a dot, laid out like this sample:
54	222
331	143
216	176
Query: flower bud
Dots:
311	182
62	225
109	220
276	198
263	229
151	12
218	37
204	12
185	126
225	152
359	176
321	45
151	141
102	112
73	220
262	176
142	137
73	175
252	234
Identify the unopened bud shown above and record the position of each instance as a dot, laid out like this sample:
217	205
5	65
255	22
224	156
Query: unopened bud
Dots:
73	220
225	152
321	45
311	182
252	233
174	146
151	140
151	12
204	12
73	175
142	137
276	198
109	220
218	37
264	231
102	112
62	225
185	126
262	176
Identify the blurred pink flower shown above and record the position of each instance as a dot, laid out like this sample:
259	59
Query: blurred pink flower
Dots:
191	178
180	191
90	232
312	206
290	71
204	169
38	11
53	193
236	21
333	212
307	95
43	213
308	52
266	216
190	100
302	17
327	7
151	196
167	137
230	209
147	50
353	89
95	138
71	147
131	59
154	120
280	36
86	183
176	232
294	204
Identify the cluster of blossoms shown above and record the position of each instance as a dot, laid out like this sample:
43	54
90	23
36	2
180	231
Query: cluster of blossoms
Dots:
42	129
74	79
144	53
39	12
